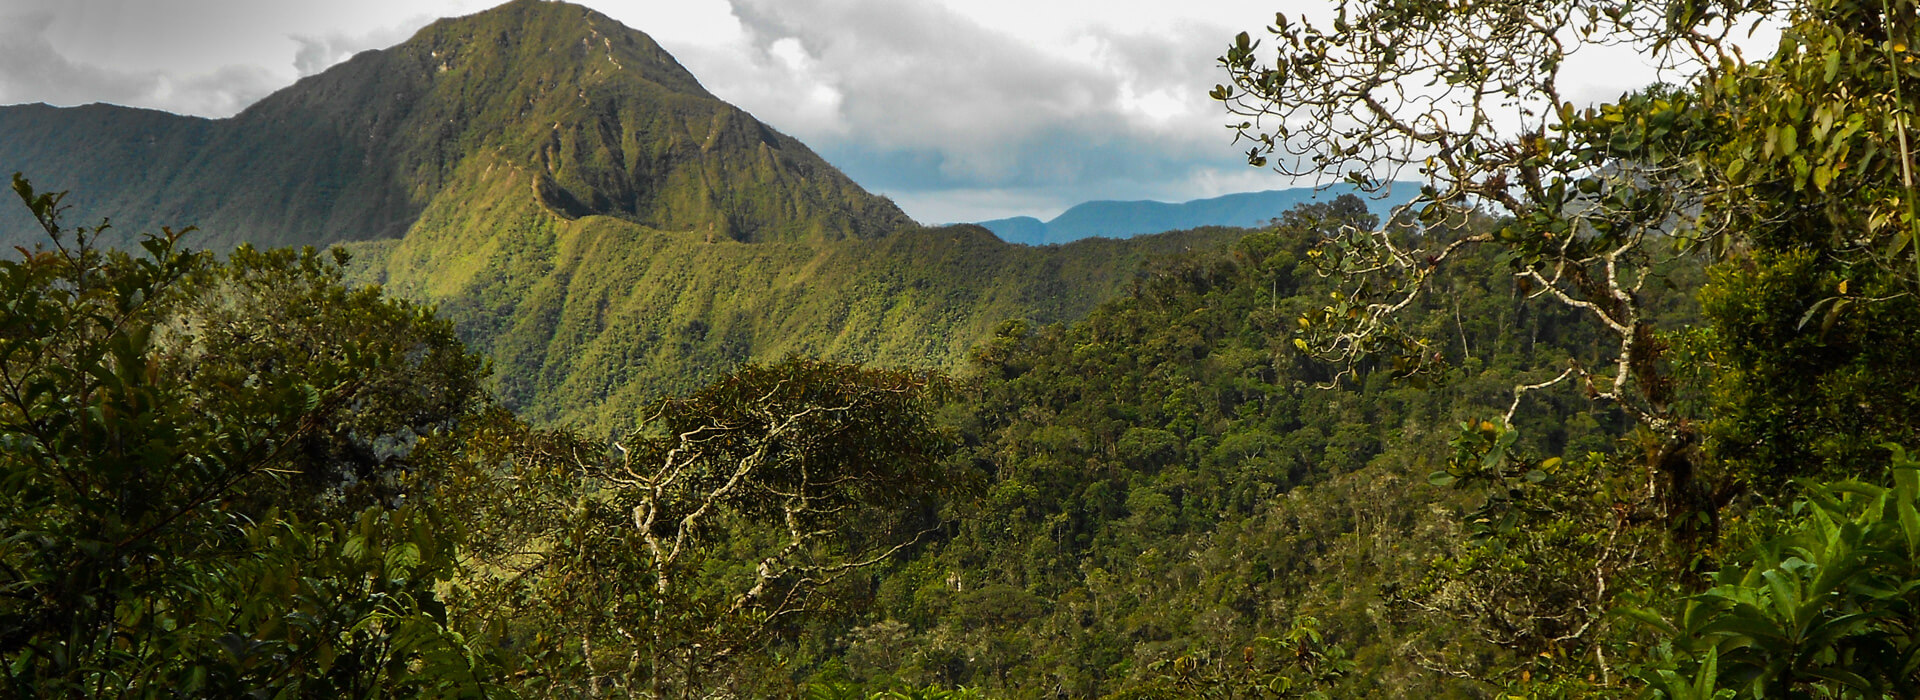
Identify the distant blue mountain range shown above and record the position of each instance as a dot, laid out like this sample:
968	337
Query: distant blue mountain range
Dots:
1109	219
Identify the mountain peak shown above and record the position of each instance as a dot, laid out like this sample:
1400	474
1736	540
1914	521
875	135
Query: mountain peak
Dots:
550	34
488	55
544	100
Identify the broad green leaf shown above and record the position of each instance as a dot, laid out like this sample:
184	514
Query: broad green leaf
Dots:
401	560
1839	675
1648	618
1706	677
1756	630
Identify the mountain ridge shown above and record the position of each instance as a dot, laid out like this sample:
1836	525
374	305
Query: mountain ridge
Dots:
582	210
607	122
1126	218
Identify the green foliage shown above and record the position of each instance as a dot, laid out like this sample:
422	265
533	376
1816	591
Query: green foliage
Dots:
1806	162
590	321
1166	482
1547	547
848	691
1740	160
243	477
834	436
570	197
740	517
393	373
1827	606
1296	665
1791	177
160	534
1815	364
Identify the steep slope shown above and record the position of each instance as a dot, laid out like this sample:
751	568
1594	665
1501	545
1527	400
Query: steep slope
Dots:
1111	219
577	204
608	121
589	319
1168	481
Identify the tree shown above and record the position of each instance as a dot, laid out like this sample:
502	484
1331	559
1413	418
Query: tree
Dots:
1298	664
1792	177
154	536
1831	602
1743	159
400	374
733	516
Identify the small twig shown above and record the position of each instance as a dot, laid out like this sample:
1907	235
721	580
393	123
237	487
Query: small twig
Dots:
1520	390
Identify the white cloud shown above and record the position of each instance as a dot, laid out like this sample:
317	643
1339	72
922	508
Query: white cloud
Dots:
915	99
949	106
32	69
316	53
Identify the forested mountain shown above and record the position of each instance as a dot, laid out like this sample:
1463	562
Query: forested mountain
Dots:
1171	481
589	320
1625	406
576	203
1111	219
547	101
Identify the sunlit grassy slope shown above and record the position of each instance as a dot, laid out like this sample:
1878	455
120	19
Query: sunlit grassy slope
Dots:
581	207
589	318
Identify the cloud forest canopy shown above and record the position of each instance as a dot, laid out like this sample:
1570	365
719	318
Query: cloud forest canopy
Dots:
1636	431
1792	177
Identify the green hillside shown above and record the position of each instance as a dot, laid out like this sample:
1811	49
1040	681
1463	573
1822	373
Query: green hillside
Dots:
1648	433
588	319
576	203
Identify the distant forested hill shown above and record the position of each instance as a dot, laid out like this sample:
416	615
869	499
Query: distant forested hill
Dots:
1109	219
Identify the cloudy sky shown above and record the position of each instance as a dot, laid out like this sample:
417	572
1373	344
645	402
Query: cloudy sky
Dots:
961	110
